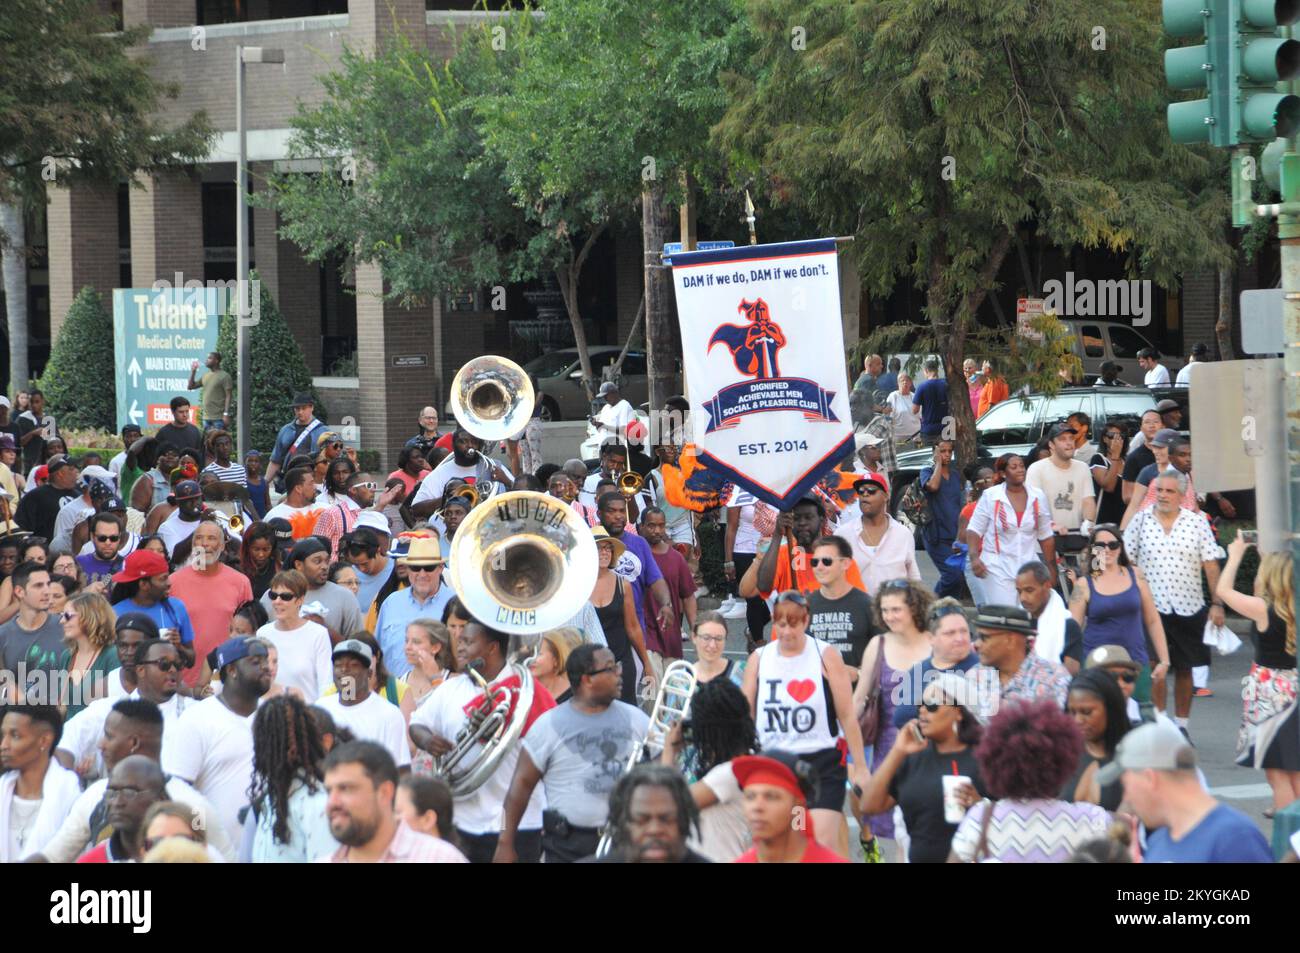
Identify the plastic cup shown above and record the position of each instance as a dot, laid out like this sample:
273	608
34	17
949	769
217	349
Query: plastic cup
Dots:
953	811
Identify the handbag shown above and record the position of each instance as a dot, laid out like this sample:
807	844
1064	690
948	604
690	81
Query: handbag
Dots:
869	717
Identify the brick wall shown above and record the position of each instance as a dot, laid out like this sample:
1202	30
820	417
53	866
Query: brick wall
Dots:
166	228
159	13
1200	300
630	278
81	224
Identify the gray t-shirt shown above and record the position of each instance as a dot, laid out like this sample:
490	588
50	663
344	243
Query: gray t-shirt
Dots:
344	615
581	757
845	623
41	649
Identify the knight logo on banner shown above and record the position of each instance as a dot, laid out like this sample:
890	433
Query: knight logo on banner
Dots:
763	350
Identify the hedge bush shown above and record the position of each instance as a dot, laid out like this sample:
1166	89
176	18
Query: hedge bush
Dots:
79	382
278	370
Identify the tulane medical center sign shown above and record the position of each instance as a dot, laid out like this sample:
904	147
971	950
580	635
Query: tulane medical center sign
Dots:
763	350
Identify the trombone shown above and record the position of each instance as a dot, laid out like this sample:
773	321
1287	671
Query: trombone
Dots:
671	705
630	483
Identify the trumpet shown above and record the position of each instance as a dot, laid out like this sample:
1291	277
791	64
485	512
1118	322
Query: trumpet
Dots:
495	726
492	397
630	483
671	705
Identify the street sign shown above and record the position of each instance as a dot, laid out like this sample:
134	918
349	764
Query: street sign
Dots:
675	248
1261	321
157	335
1027	309
410	360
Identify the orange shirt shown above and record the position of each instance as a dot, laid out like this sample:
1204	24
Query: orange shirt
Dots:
803	571
994	392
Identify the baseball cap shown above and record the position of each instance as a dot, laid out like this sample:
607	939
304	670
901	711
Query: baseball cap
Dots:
241	646
56	463
863	440
307	547
1104	656
876	478
354	647
7	442
328	436
606	388
283	530
113	504
375	521
955	687
1155	746
1058	429
1164	438
186	490
40	474
1005	619
4	402
302	400
141	564
1167	405
761	769
136	622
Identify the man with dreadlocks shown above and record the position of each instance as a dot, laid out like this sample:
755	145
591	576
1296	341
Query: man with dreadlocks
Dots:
721	729
651	813
286	822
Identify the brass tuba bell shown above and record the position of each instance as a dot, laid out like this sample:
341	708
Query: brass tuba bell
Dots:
492	397
523	562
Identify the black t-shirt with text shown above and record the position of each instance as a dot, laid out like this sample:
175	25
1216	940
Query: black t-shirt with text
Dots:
844	623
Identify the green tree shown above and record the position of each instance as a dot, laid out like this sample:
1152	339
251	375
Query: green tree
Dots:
278	371
611	108
76	397
934	132
75	104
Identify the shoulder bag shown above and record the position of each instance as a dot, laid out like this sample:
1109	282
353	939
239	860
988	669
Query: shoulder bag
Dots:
869	718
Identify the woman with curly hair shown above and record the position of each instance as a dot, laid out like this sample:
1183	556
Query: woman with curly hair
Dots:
287	822
257	556
1028	752
88	629
721	729
902	607
1269	691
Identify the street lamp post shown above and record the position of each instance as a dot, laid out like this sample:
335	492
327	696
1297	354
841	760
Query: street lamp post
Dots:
244	306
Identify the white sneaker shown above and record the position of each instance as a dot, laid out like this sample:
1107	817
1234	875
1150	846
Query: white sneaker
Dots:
701	592
736	610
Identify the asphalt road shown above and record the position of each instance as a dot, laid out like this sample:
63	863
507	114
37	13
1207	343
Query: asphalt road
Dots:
1213	725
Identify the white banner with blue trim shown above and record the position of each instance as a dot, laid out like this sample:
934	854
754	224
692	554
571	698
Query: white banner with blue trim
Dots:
763	350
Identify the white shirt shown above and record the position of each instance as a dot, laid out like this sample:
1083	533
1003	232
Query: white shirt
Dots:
305	661
435	482
73	512
894	557
645	497
175	530
1172	562
443	713
116	689
615	417
1158	376
906	424
1065	489
1006	541
1184	378
746	535
374	719
115	467
213	751
73	837
81	732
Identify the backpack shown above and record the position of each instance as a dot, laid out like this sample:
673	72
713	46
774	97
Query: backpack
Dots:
915	505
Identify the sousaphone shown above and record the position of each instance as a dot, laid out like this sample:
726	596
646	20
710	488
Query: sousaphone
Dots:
492	397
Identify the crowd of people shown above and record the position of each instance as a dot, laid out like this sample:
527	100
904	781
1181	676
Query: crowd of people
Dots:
211	659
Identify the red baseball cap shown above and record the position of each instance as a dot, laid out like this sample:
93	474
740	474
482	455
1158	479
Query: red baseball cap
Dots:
757	769
871	477
141	564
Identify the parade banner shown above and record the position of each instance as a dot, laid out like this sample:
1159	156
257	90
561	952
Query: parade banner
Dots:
763	351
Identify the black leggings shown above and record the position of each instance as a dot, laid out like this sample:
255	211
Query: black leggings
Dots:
757	615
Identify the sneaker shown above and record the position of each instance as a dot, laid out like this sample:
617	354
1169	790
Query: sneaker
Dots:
871	851
703	591
737	609
1202	693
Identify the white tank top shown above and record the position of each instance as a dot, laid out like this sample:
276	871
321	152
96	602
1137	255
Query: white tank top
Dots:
793	712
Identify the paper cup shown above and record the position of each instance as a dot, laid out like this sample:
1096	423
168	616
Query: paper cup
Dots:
953	811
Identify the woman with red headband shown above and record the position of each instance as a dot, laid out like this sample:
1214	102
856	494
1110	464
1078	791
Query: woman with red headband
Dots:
777	791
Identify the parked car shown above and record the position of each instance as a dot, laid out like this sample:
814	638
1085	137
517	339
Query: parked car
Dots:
559	379
1096	342
1016	424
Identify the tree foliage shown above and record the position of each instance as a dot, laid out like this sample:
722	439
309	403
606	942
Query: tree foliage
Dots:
74	95
933	130
278	371
77	397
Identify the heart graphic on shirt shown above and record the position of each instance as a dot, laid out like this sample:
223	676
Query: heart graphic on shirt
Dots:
801	689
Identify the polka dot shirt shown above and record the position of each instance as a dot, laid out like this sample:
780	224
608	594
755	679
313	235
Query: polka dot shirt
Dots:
1172	561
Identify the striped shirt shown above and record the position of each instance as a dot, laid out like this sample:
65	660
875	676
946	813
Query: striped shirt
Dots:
235	473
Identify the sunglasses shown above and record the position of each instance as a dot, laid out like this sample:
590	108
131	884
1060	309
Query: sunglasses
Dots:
335	446
869	490
933	707
897	584
286	596
368	485
1113	545
107	539
796	597
411	568
822	561
939	613
609	668
1127	677
164	664
67	615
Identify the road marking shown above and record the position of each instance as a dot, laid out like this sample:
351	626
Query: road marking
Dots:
1242	791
